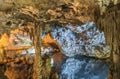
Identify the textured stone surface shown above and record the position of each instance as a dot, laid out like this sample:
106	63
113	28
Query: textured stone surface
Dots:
19	71
62	11
111	33
111	27
72	40
105	4
82	40
2	69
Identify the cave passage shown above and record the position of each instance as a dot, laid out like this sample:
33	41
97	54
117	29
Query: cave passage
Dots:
75	51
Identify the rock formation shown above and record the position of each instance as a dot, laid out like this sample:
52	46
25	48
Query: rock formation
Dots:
42	13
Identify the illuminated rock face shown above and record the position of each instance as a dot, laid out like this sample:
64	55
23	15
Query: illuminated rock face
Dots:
83	68
81	40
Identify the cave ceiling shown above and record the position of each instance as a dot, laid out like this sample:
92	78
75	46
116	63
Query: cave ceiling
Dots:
14	13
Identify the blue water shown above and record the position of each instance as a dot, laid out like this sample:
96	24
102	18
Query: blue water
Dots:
81	67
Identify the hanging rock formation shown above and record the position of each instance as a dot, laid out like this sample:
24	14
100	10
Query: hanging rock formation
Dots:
109	23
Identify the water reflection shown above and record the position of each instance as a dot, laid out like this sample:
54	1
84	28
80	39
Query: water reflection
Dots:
84	68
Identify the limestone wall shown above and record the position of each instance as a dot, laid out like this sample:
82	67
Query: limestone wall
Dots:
109	22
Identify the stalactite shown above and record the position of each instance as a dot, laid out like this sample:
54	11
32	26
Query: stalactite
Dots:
41	65
110	23
37	59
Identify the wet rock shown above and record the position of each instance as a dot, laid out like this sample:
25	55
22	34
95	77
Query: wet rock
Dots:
83	68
